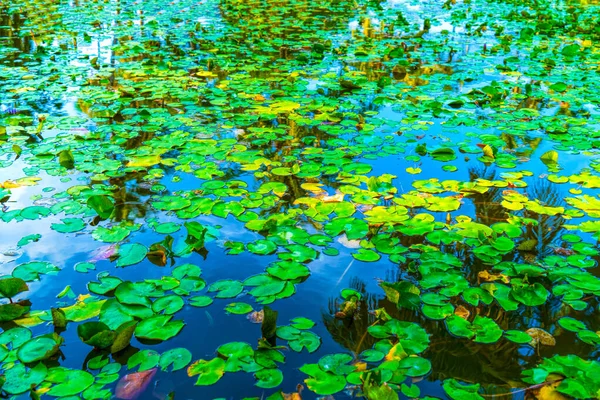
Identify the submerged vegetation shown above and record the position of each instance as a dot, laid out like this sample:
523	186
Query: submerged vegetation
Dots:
291	199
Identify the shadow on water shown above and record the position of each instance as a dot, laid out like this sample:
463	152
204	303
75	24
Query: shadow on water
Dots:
236	81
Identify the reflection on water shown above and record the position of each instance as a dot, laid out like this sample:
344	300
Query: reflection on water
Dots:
496	366
155	98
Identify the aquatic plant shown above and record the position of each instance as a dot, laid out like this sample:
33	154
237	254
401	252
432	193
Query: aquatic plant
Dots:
259	163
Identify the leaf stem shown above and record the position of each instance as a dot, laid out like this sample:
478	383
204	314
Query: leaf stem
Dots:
362	339
539	385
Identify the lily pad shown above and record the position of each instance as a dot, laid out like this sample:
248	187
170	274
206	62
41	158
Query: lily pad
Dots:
131	254
68	382
159	327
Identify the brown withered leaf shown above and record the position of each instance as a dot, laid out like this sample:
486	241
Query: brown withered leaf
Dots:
294	396
462	312
256	317
540	336
487	277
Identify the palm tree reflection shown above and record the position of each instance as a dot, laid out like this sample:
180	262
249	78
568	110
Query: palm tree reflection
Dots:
496	366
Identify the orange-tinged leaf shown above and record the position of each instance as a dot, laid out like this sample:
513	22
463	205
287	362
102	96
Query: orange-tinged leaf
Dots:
131	386
294	396
462	312
486	276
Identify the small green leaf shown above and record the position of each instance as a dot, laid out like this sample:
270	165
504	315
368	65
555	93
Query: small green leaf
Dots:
238	308
131	254
178	358
103	205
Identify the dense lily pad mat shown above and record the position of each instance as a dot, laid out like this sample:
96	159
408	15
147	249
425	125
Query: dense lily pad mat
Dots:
221	159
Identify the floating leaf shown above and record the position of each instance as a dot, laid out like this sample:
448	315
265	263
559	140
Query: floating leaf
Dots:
131	254
321	382
96	334
69	225
66	159
39	348
159	327
31	271
459	391
145	359
549	157
20	380
571	324
366	255
226	288
200	301
238	308
262	247
209	371
10	287
68	382
268	378
103	205
168	305
177	358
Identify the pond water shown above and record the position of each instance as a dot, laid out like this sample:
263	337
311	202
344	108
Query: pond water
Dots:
227	199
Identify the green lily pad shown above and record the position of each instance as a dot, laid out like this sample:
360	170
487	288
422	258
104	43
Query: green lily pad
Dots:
171	203
366	255
337	363
135	293
177	358
25	240
321	382
517	336
31	271
107	284
209	371
38	348
68	382
226	288
103	205
69	225
84	267
159	327
302	323
15	336
10	287
459	391
167	228
110	235
268	378
201	301
415	366
131	254
20	380
262	247
571	324
238	308
169	304
144	360
305	340
96	334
